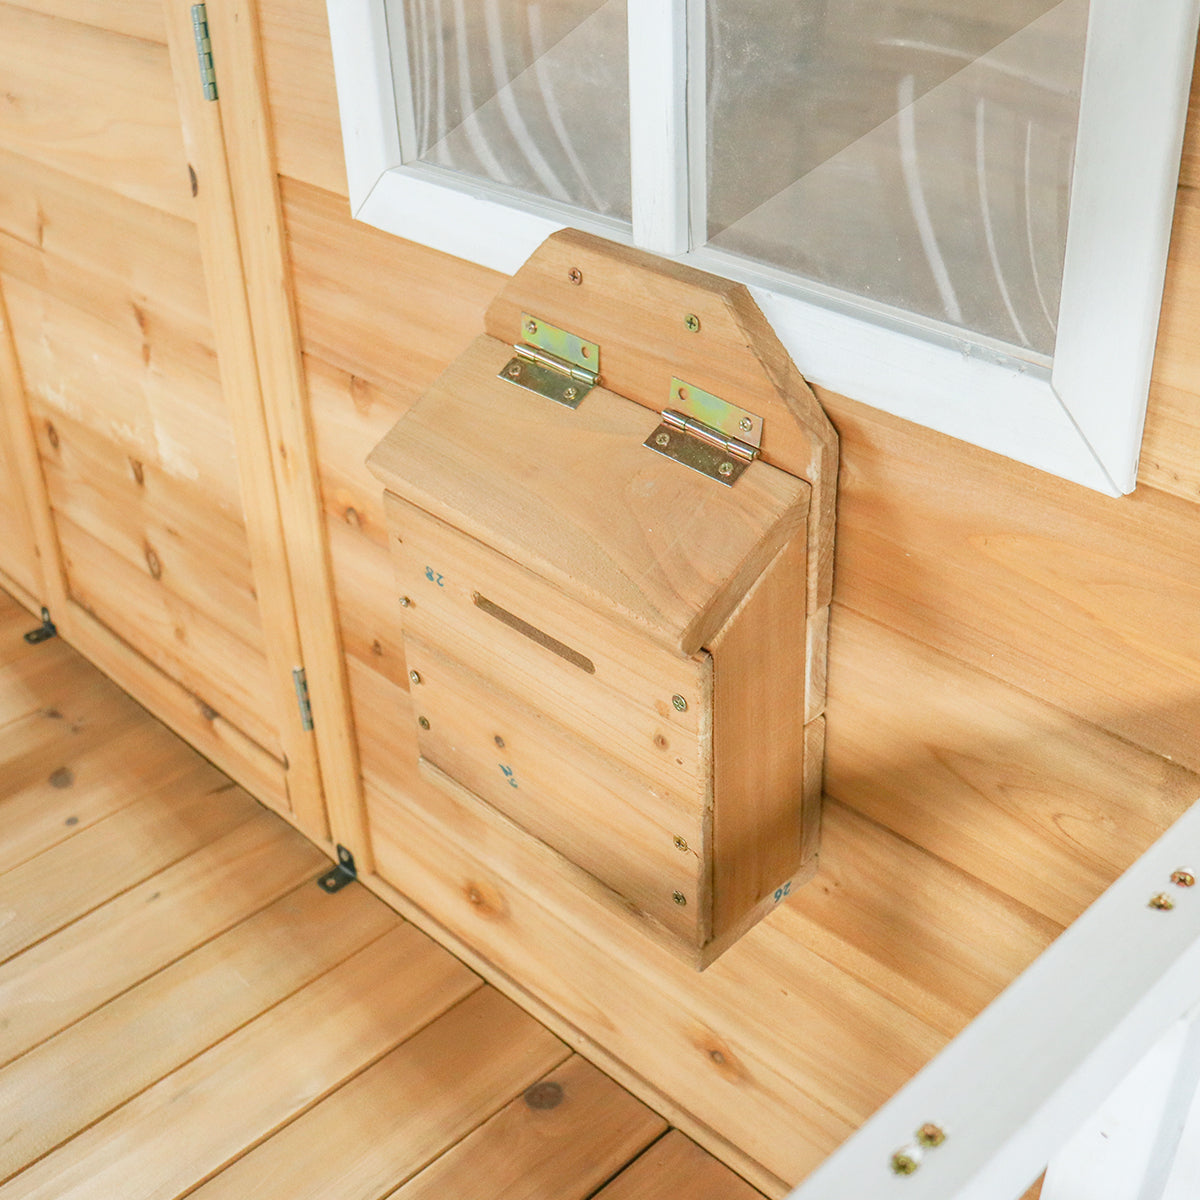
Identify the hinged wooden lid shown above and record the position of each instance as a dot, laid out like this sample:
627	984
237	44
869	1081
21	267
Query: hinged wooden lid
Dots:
574	495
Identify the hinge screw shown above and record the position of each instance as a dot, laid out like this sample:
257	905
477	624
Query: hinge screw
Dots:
726	469
423	722
680	843
575	275
1182	878
691	323
931	1135
414	676
514	371
663	439
570	393
679	898
531	327
746	424
679	702
1162	902
405	602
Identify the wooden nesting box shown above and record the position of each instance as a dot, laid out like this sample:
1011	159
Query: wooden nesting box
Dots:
612	520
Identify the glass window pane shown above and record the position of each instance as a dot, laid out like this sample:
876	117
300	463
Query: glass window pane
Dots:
916	153
533	96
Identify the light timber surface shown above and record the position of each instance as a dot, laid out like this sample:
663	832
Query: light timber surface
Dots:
183	1011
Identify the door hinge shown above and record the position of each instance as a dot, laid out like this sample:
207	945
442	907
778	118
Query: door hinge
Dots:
345	872
300	683
553	363
708	434
208	74
44	632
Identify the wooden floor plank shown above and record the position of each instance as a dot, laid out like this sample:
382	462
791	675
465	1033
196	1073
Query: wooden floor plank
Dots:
563	1138
55	888
85	1072
63	978
92	783
676	1167
196	1120
388	1124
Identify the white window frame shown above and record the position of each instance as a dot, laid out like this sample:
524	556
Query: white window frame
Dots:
1079	417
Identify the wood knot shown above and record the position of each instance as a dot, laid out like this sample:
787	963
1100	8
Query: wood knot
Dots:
152	563
139	472
208	712
661	742
64	777
352	517
544	1095
52	434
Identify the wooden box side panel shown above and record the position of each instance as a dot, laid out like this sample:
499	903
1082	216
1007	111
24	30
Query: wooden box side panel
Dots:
759	692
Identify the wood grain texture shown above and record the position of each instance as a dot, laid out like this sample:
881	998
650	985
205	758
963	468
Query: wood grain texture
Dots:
302	1049
563	1138
673	1167
393	1120
134	18
74	1079
300	84
576	497
1084	601
58	981
95	104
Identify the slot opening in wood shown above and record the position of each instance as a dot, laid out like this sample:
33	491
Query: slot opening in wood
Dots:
534	634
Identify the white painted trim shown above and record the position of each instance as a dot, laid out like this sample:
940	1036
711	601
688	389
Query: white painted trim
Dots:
658	150
1130	1148
1026	1074
1131	121
1081	420
366	100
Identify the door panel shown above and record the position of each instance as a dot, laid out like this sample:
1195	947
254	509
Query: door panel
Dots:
120	272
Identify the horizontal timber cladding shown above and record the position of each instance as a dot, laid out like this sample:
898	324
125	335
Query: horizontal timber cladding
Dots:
985	780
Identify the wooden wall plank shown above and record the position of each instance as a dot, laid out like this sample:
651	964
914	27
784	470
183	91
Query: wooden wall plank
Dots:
253	1082
300	83
134	18
95	104
1084	601
415	1103
83	1073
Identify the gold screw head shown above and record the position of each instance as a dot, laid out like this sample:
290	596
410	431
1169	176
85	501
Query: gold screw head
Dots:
1162	902
930	1134
680	843
1183	878
405	602
531	327
663	439
575	275
679	702
570	393
679	898
423	722
726	469
691	323
514	371
414	676
906	1161
746	424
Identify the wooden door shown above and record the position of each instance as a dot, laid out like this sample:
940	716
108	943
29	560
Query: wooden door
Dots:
131	390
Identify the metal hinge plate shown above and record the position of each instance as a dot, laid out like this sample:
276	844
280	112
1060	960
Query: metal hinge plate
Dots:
208	74
708	434
553	363
300	683
44	632
345	872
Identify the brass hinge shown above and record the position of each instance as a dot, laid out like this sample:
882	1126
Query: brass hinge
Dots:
300	683
708	434
208	74
553	363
